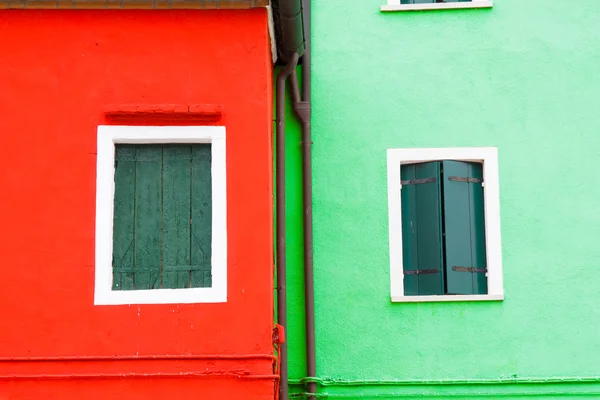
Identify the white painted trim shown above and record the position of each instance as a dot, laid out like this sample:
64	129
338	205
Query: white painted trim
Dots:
105	187
491	192
432	299
271	24
394	5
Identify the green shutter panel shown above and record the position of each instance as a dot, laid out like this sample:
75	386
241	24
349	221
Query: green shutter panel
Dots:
137	217
201	215
162	228
176	195
422	229
148	221
123	221
464	228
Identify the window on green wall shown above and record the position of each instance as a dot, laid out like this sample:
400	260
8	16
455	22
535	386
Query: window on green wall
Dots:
444	228
432	1
161	226
410	5
443	232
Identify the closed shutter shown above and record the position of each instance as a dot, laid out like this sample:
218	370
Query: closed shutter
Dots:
162	217
465	256
421	229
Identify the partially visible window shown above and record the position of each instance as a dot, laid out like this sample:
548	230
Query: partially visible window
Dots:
161	218
413	5
432	1
444	224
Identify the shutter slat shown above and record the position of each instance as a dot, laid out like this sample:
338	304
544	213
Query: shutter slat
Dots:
410	250
201	215
478	252
123	220
148	181
176	192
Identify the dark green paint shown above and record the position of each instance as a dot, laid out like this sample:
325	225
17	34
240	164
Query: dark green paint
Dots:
201	215
477	210
443	228
162	217
176	249
422	229
148	188
464	228
123	223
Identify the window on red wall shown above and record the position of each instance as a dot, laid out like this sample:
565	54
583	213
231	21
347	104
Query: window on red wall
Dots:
160	215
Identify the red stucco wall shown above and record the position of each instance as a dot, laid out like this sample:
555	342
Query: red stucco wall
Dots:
59	70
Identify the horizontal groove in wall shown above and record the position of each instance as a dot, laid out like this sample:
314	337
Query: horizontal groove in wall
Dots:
182	374
145	357
470	395
437	382
133	4
513	388
257	366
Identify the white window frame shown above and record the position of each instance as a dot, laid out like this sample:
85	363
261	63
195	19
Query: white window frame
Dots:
108	136
491	192
394	5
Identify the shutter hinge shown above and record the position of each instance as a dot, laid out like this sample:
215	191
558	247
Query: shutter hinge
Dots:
464	179
421	271
470	269
417	181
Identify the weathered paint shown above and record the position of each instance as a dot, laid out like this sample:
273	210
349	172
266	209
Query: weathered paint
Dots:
60	71
521	76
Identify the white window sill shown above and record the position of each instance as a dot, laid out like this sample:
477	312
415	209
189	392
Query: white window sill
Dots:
429	299
436	6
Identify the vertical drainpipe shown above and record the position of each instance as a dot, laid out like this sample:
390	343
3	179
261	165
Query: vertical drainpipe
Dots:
280	218
293	32
304	109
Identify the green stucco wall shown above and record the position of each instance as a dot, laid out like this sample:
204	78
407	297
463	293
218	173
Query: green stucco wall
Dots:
523	76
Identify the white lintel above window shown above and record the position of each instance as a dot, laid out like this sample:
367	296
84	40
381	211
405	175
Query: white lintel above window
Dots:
395	5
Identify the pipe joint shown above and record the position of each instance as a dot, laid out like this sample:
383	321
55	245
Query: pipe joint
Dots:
304	110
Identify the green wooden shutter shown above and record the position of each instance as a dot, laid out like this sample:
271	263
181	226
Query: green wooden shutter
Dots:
464	228
422	229
123	221
176	244
201	216
162	217
148	183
